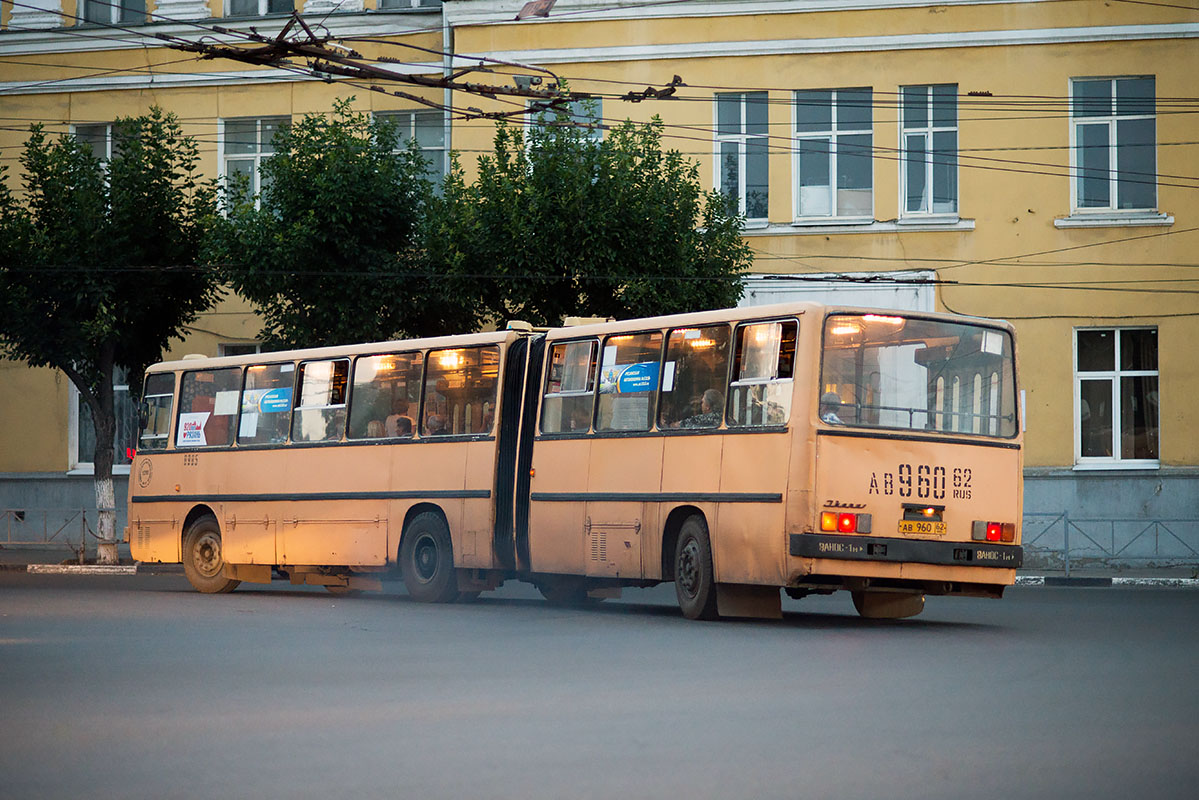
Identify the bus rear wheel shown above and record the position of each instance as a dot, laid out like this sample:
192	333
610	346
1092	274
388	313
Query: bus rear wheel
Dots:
427	560
203	562
694	582
887	605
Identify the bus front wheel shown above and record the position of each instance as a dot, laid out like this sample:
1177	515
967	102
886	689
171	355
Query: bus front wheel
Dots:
203	562
694	582
427	560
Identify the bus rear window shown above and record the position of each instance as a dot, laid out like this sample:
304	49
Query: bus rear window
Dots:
208	408
155	416
917	374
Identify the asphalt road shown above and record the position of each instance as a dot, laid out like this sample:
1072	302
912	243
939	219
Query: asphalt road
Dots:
137	687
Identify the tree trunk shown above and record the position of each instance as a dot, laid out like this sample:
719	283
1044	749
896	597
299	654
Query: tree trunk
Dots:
104	418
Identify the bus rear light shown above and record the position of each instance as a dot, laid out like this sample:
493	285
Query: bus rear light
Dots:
845	523
993	531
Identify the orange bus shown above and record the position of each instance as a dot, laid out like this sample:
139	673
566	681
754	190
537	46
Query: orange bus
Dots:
801	447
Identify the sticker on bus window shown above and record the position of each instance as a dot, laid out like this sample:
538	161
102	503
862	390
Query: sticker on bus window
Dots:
225	403
191	429
629	378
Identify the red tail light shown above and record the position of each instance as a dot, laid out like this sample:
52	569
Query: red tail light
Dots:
847	523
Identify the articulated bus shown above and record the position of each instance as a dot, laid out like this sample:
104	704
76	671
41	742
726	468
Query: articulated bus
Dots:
800	447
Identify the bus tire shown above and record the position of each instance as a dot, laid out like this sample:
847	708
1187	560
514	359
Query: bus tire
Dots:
427	560
203	562
694	581
887	605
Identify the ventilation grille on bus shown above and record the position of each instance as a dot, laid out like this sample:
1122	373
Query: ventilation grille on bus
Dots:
599	545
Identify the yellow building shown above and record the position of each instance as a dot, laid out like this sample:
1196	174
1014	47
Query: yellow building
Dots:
1033	160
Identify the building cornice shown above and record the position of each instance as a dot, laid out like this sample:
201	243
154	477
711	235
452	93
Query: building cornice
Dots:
462	13
94	38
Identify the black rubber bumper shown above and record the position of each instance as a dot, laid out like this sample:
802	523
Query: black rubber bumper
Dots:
867	548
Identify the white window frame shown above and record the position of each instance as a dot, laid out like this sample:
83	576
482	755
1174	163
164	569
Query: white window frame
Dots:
112	10
833	134
405	122
742	139
81	463
224	157
1112	209
928	131
581	115
1113	376
106	153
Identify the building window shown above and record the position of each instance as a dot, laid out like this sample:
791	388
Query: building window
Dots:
409	3
586	115
246	144
428	129
98	137
742	142
125	436
238	348
1113	132
258	8
929	149
111	12
1116	395
833	147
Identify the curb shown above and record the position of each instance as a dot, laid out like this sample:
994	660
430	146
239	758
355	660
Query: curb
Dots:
95	569
1057	580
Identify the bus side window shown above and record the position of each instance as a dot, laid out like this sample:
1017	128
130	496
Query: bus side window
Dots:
697	364
569	388
266	404
321	407
207	408
385	396
629	370
154	418
460	389
763	373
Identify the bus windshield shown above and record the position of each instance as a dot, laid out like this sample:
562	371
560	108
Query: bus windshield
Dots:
917	374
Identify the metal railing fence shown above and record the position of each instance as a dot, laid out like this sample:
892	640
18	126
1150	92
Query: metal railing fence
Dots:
47	528
1061	540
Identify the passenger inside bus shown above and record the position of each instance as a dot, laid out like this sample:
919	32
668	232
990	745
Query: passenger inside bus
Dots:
830	405
711	408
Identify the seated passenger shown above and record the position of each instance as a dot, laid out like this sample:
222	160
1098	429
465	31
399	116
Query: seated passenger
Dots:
830	404
399	410
435	425
374	429
710	405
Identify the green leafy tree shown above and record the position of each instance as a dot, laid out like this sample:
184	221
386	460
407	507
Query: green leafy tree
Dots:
562	224
331	254
97	266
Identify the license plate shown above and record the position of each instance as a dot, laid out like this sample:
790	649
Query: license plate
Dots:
921	528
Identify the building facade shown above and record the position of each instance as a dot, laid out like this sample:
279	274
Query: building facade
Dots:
1032	160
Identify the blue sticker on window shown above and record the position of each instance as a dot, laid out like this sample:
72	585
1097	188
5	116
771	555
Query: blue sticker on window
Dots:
275	400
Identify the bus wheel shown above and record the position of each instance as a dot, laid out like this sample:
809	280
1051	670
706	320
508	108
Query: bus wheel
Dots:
203	563
694	583
887	605
427	560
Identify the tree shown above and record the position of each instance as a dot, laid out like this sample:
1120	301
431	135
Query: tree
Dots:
561	224
97	266
331	254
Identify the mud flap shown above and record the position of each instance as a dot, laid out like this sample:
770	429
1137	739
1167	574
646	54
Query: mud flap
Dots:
741	600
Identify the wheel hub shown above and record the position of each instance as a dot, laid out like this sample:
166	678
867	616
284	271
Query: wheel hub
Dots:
687	572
